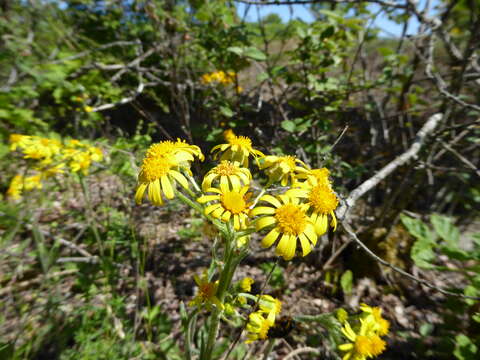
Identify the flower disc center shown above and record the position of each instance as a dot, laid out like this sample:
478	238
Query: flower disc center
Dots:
233	202
323	199
291	219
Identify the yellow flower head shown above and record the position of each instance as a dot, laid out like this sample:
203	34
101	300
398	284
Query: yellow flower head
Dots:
246	284
15	189
238	149
81	161
219	77
41	149
207	292
228	134
178	152
268	304
363	344
380	325
228	173
317	176
52	171
290	222
258	326
19	140
159	175
321	200
228	204
95	153
283	168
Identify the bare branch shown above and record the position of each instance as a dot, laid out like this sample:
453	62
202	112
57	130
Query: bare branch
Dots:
391	4
369	184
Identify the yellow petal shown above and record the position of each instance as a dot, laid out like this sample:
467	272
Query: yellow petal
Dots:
306	247
212	208
139	193
272	200
180	178
286	246
264	222
270	238
167	187
261	210
207	181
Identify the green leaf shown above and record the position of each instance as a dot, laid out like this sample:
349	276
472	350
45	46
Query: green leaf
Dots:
417	228
465	349
226	111
236	50
328	32
288	125
445	229
346	281
422	254
255	54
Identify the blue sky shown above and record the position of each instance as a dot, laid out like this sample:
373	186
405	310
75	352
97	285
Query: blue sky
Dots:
287	12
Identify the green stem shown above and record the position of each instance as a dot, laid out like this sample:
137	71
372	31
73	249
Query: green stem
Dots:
224	283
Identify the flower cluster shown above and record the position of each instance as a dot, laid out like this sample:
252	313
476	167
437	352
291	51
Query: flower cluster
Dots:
365	338
218	77
47	158
301	214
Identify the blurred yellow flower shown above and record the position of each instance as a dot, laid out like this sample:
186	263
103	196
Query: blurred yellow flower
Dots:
219	77
246	284
228	204
18	140
88	109
290	222
15	189
238	149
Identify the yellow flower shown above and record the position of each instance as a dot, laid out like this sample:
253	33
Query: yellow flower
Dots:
268	304
381	326
317	176
363	345
15	189
95	153
18	140
41	149
290	223
52	171
258	326
228	173
159	175
32	182
321	200
228	204
238	149
283	168
81	161
88	109
246	284
179	152
207	292
228	134
218	77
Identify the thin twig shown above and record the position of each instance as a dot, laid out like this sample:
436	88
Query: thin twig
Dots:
370	253
302	350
